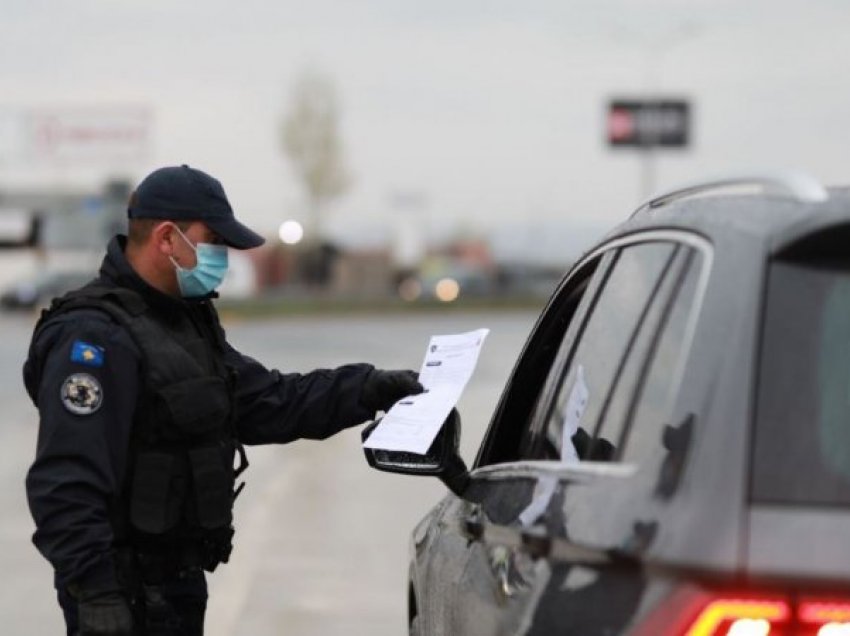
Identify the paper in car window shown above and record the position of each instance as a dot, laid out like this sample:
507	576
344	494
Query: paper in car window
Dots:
544	490
576	404
413	422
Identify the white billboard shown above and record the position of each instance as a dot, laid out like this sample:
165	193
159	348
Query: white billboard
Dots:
76	135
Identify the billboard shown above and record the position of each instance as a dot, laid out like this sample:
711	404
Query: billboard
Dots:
649	123
76	135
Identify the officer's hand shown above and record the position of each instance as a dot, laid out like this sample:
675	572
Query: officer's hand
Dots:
382	389
104	614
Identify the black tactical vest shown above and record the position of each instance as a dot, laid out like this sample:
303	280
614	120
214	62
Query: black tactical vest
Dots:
180	478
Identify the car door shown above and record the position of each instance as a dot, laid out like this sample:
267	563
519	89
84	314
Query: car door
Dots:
498	589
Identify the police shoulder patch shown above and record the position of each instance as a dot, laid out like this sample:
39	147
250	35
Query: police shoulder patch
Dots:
81	394
87	354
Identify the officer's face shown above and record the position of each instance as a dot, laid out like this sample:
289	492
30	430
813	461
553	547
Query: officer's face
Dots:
197	232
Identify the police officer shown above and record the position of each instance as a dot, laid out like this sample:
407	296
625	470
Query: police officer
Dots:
144	407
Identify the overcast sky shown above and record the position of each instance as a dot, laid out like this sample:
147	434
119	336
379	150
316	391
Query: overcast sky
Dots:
493	111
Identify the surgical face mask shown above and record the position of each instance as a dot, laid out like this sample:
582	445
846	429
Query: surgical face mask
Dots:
209	271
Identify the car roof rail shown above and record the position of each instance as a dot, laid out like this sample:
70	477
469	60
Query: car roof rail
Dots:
794	185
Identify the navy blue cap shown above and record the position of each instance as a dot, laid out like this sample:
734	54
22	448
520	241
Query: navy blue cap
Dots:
181	193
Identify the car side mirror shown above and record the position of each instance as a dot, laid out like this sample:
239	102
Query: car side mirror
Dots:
442	460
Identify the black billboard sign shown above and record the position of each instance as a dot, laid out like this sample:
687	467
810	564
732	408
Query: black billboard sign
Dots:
649	123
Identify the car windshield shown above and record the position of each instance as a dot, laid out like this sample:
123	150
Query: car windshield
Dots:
802	424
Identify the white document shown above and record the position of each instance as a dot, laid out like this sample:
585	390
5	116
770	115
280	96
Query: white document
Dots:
413	422
576	404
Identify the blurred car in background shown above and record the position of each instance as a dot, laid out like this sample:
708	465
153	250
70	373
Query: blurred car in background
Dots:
671	454
446	280
38	290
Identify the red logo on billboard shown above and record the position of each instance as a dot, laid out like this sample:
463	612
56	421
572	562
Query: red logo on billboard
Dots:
621	124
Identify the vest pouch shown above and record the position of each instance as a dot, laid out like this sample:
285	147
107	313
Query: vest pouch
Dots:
213	486
195	407
158	492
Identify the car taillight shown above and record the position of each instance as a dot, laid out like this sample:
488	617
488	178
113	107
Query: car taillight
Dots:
741	617
824	617
694	611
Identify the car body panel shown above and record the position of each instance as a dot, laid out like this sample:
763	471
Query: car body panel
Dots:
790	541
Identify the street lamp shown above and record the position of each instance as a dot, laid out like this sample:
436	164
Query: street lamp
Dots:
290	232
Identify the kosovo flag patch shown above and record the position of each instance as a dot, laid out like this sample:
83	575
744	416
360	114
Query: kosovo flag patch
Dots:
87	354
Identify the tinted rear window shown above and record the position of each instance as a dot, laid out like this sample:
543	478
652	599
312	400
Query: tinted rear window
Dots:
802	433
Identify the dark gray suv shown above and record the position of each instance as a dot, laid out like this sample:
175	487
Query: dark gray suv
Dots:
671	455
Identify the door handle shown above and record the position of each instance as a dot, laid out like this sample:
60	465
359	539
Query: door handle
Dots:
534	541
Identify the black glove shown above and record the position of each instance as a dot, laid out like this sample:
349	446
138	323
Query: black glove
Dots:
104	614
382	389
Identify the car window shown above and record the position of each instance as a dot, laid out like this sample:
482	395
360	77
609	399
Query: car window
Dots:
633	505
595	359
650	405
610	435
508	431
803	400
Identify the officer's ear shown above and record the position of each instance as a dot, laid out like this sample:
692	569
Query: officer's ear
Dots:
163	237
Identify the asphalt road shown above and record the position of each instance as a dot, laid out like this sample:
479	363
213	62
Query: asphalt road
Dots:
321	543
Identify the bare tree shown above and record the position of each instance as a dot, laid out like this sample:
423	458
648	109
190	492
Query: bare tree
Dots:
310	137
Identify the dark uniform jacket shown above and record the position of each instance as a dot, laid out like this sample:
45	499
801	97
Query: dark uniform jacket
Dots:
81	459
